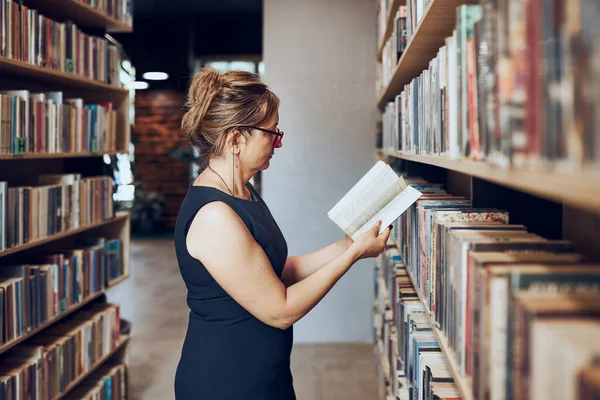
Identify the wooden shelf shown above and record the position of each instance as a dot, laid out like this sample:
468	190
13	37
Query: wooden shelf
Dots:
120	216
437	23
8	345
80	13
389	26
464	387
34	156
123	340
579	190
56	79
115	282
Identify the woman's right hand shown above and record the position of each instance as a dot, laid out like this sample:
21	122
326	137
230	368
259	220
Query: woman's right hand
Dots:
370	244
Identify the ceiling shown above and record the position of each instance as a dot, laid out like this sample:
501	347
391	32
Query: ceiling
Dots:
197	7
169	34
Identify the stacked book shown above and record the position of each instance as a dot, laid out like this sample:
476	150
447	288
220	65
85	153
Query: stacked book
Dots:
108	382
516	84
393	48
54	359
28	36
121	10
38	123
517	312
63	202
36	293
410	354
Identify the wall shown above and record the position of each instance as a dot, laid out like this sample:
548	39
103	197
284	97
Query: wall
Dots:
319	58
157	128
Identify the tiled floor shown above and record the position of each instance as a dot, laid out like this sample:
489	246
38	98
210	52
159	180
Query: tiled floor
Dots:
154	301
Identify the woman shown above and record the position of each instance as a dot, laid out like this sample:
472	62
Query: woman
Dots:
244	292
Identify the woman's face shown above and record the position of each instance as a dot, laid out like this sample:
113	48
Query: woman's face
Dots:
258	148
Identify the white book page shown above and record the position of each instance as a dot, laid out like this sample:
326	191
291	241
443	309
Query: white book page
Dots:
380	194
390	212
365	198
374	174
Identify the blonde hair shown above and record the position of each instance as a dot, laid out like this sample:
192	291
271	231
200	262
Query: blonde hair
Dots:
218	103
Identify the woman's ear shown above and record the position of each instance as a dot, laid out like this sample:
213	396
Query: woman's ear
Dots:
235	139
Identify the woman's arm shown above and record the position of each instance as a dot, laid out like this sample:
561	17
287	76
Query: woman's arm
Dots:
220	240
299	267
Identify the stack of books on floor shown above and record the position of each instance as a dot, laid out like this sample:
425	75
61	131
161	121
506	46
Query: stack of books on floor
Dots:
514	313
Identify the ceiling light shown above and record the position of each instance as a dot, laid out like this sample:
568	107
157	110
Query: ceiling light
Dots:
156	76
137	85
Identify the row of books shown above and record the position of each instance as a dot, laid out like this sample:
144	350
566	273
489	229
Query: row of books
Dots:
28	36
34	123
121	10
521	92
412	357
35	293
61	203
384	7
109	382
49	362
486	283
392	49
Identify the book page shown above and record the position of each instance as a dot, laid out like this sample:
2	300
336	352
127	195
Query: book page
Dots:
375	174
365	199
380	194
391	211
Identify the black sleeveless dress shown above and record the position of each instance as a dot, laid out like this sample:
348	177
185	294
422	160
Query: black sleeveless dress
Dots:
228	353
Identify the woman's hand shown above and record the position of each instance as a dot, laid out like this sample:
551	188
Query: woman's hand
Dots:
370	244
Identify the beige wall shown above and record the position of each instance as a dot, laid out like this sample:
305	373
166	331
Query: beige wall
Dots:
320	59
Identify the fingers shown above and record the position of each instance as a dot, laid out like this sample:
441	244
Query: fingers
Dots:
377	227
386	234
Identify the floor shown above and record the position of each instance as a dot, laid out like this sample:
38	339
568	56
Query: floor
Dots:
153	300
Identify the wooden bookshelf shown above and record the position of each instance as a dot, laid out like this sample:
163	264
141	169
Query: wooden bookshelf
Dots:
124	339
56	79
579	190
38	156
437	24
115	282
460	381
10	344
79	12
389	26
120	216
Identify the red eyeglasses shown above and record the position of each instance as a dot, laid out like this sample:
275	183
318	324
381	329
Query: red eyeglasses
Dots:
278	134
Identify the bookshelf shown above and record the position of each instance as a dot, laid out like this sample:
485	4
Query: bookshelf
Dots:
123	341
534	164
121	216
83	14
581	191
461	383
30	156
9	345
436	24
389	25
46	77
59	212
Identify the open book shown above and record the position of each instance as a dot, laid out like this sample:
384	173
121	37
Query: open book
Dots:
379	195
